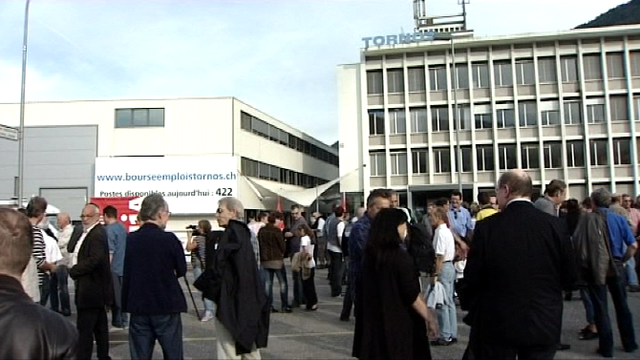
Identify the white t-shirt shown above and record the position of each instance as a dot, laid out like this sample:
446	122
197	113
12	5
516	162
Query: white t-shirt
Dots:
51	249
340	231
444	242
305	243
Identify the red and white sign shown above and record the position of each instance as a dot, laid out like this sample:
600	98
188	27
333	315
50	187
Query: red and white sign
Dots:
128	208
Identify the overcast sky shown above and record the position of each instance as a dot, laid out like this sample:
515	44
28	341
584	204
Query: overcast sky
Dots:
280	56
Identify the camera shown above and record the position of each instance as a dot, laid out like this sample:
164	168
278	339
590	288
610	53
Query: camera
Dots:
191	227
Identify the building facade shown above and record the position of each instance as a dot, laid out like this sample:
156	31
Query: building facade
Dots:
559	105
64	139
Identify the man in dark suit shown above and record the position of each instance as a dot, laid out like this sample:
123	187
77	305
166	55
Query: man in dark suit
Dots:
92	274
519	263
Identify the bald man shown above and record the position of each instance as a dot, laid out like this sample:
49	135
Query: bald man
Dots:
519	263
94	292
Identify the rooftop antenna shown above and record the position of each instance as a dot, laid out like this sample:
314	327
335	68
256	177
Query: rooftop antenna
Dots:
442	23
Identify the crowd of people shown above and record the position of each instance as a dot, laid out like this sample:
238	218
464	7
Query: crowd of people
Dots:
508	261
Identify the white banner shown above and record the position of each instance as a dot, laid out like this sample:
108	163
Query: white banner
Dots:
191	185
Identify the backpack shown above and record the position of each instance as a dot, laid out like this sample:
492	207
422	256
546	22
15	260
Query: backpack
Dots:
421	248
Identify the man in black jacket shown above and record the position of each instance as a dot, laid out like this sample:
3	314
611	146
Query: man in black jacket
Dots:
154	261
242	317
29	331
94	291
519	263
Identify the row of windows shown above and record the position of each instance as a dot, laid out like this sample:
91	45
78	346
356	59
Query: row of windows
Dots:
503	74
507	157
268	131
528	115
265	171
127	118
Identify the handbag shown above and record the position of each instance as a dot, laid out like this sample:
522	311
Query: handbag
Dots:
210	284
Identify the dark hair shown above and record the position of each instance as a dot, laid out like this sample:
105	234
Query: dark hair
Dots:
572	206
273	216
484	197
378	194
456	193
110	212
16	242
442	201
587	203
205	225
554	187
296	207
36	207
262	215
339	211
384	240
308	232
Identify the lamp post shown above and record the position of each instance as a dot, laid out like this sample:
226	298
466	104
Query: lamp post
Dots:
22	100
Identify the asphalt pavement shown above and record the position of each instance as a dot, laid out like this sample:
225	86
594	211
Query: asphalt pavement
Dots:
321	335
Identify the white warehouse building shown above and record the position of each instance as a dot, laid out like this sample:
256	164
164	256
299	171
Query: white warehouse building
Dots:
562	105
76	150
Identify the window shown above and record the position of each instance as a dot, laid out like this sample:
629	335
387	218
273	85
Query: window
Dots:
437	78
260	127
595	113
398	163
547	70
592	67
420	161
618	105
505	118
502	73
441	160
439	118
528	114
598	150
552	155
416	79
480	73
635	63
621	152
524	72
374	82
484	155
245	121
636	103
126	118
575	153
418	119
464	117
615	65
270	172
550	117
397	121
530	156
378	164
483	121
572	113
466	158
376	122
395	81
507	157
569	66
462	73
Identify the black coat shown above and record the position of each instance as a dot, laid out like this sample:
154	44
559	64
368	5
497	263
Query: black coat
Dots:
92	273
519	263
243	308
387	326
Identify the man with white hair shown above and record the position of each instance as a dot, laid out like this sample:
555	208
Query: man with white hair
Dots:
242	317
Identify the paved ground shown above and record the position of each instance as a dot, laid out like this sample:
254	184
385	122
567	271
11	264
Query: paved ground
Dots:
320	334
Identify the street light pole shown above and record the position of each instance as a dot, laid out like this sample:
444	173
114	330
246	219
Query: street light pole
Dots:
22	100
456	118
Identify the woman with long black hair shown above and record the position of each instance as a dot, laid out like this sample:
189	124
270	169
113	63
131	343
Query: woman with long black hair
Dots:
394	316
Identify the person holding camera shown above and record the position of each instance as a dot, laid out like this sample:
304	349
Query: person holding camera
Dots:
196	244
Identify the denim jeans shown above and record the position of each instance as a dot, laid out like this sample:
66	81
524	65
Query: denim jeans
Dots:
119	318
45	289
282	281
447	319
298	294
144	330
588	306
337	271
349	297
59	286
630	269
618	293
208	304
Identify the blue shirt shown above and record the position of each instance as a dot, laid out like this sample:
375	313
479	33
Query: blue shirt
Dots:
619	232
357	240
460	221
117	237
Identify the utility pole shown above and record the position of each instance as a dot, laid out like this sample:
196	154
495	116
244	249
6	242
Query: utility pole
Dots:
22	101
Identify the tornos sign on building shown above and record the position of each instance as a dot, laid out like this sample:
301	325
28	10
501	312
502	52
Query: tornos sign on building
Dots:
191	185
398	39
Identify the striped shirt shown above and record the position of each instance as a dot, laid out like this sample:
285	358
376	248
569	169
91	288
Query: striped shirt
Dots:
38	252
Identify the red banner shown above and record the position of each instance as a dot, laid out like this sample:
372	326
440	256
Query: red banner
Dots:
127	207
